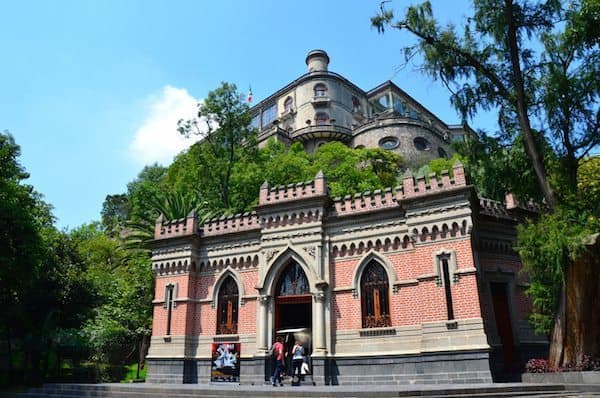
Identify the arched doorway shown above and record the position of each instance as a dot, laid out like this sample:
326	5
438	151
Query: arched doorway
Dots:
293	301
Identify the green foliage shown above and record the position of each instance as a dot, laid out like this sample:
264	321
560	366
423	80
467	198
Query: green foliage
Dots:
224	123
350	171
132	374
437	166
588	186
544	98
44	288
547	246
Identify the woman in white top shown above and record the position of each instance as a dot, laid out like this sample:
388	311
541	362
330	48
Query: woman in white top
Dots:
297	358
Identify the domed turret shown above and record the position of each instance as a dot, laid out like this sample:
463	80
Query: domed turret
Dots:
317	61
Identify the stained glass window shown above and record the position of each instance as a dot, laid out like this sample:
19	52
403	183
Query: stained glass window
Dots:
293	281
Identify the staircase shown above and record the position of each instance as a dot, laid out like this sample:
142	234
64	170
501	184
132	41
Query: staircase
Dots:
249	391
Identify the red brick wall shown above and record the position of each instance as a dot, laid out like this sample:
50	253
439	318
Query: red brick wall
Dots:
201	318
414	303
179	314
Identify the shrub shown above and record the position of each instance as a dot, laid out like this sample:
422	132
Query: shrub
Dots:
537	366
541	366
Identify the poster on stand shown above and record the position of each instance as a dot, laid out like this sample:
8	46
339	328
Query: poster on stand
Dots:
225	363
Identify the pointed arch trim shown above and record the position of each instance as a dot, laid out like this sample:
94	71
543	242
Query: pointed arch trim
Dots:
268	282
237	278
362	264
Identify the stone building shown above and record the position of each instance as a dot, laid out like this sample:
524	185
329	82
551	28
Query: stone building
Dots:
416	284
321	106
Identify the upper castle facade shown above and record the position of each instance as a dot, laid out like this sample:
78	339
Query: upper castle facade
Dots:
322	106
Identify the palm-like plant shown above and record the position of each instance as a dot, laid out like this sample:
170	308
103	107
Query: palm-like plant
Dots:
137	234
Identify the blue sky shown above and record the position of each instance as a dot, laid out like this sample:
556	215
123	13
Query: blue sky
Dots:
91	90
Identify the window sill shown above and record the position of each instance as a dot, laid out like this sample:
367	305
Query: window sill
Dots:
221	338
377	332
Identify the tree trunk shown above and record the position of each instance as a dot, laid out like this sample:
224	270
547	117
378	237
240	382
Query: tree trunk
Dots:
557	342
522	108
577	324
583	307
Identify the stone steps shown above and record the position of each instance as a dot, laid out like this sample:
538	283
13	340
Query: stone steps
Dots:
247	391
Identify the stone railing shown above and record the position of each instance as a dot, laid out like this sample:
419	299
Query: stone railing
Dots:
231	224
291	192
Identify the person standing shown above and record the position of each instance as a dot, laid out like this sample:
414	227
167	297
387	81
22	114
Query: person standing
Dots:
278	354
297	360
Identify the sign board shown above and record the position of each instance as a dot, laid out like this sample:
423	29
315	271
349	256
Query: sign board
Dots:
225	365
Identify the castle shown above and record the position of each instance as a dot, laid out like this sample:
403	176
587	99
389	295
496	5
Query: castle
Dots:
415	284
321	106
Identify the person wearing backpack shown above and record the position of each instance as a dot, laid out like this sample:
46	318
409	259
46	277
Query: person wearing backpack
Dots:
278	355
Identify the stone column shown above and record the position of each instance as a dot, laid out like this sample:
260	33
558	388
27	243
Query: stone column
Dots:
319	327
261	331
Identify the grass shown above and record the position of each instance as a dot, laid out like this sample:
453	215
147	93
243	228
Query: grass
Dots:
131	374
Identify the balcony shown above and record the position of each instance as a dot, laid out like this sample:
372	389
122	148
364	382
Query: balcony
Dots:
330	131
321	100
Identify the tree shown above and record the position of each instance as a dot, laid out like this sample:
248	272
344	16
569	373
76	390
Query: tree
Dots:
43	283
224	124
115	211
542	97
494	65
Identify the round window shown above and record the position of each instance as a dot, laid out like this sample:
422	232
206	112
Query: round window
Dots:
388	142
421	144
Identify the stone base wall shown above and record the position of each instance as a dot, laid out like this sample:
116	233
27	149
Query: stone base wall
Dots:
438	368
165	371
197	371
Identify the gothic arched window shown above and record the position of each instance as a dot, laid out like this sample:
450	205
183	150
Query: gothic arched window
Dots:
293	281
374	294
227	315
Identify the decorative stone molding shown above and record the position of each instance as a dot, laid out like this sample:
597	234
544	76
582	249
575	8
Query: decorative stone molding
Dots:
319	296
229	262
268	281
452	266
364	262
219	281
310	250
269	254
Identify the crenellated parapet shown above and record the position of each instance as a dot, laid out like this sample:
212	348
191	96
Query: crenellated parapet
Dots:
287	193
231	224
411	188
348	205
365	202
510	209
164	229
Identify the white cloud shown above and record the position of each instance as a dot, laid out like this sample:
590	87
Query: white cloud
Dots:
157	139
